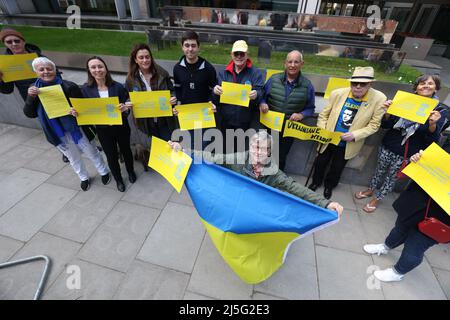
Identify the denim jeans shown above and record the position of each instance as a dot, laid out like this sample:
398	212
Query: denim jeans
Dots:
416	243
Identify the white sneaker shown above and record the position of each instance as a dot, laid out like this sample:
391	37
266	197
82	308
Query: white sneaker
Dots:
377	249
388	275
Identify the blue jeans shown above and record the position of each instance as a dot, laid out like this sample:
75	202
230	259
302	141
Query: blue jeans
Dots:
416	243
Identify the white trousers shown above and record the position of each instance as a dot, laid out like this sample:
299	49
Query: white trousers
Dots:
73	152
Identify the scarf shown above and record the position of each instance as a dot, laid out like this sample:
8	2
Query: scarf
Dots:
56	128
407	127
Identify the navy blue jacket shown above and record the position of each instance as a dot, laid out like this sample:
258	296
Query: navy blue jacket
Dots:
114	90
421	139
235	115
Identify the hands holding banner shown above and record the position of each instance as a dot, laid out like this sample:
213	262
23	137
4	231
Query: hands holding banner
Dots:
430	170
411	106
433	115
235	93
17	67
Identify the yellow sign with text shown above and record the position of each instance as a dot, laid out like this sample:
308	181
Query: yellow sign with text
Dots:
235	93
432	174
302	132
54	101
196	116
97	111
335	83
17	66
151	104
272	119
412	106
172	165
271	72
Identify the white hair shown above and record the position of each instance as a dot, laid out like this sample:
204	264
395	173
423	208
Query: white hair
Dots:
42	60
262	135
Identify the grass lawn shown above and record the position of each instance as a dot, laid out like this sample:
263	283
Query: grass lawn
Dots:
119	43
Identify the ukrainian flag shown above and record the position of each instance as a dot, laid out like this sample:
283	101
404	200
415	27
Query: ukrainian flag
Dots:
251	224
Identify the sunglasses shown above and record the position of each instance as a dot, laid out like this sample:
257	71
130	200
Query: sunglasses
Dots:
239	54
361	84
16	41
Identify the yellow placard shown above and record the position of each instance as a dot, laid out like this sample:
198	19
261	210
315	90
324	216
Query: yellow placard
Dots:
97	111
196	116
432	174
335	83
151	104
271	72
17	66
54	101
272	119
235	93
173	166
412	106
302	132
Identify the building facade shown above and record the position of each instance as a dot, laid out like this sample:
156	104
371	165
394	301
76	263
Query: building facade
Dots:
427	18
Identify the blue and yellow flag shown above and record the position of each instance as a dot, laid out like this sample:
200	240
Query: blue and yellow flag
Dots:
251	224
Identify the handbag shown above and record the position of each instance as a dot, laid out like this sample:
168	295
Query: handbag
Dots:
434	228
400	174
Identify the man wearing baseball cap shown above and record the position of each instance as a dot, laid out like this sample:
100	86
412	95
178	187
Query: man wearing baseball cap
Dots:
357	112
239	70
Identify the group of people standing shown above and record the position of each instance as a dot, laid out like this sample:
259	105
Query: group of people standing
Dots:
357	111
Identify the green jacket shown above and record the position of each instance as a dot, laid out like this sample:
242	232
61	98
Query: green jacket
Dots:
288	105
271	175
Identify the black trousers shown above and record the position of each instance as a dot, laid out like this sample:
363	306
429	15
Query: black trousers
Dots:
333	156
110	137
285	146
232	145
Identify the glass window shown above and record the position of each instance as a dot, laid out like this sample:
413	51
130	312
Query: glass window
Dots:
401	15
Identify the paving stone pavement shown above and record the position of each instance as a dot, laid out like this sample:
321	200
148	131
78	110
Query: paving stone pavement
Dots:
148	242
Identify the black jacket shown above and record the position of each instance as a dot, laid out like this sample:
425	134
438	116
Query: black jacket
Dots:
22	85
411	204
115	90
196	86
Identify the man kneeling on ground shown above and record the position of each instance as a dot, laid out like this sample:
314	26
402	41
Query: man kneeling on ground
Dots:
256	164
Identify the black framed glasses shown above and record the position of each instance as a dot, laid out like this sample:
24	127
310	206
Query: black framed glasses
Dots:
16	41
361	84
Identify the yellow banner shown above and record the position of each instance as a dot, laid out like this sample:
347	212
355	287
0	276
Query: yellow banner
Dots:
235	93
97	111
173	166
17	66
412	106
151	104
302	132
335	83
272	119
54	101
196	116
432	173
271	72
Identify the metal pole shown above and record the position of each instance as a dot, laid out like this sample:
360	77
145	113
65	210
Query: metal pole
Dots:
40	288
